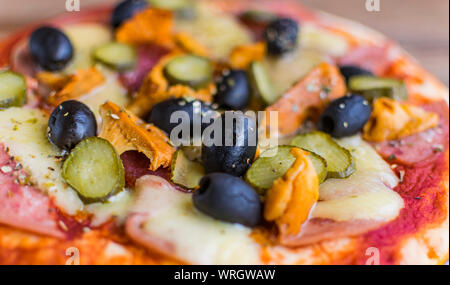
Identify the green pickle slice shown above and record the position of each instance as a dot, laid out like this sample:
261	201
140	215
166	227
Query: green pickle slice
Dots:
191	70
184	172
375	87
261	83
13	89
340	162
274	163
94	169
116	55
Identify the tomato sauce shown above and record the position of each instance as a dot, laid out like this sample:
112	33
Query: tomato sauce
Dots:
424	191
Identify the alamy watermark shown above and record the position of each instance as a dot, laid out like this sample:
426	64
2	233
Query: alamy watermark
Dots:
232	128
73	5
73	255
373	254
373	5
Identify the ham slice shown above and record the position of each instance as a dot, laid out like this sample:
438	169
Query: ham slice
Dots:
136	165
148	57
317	230
419	147
24	207
375	58
136	221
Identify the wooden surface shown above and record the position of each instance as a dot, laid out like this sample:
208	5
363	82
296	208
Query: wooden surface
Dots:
420	26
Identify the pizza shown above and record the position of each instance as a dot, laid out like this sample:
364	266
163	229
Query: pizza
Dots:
344	160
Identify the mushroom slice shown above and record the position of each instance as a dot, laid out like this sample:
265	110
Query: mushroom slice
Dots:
127	132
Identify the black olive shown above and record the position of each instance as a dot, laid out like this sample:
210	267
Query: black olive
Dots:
345	116
233	90
234	150
228	198
281	36
50	48
161	114
125	10
349	71
69	123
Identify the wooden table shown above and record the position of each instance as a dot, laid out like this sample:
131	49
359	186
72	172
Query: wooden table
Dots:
422	27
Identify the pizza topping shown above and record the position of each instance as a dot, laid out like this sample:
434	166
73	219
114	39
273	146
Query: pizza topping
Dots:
190	45
127	132
340	162
156	89
392	120
191	70
261	83
21	206
54	81
117	55
242	56
94	169
281	36
233	151
50	48
308	97
161	115
13	89
228	198
274	163
70	123
292	196
349	71
79	84
164	220
151	26
185	172
126	10
345	116
376	87
233	90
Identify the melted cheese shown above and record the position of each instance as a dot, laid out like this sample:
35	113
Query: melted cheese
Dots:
218	32
316	45
319	39
367	194
85	39
24	132
112	91
117	206
198	238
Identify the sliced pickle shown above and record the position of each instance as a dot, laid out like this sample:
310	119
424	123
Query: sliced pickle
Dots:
261	83
375	87
320	165
94	169
13	89
185	172
340	162
116	55
258	17
191	70
274	163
